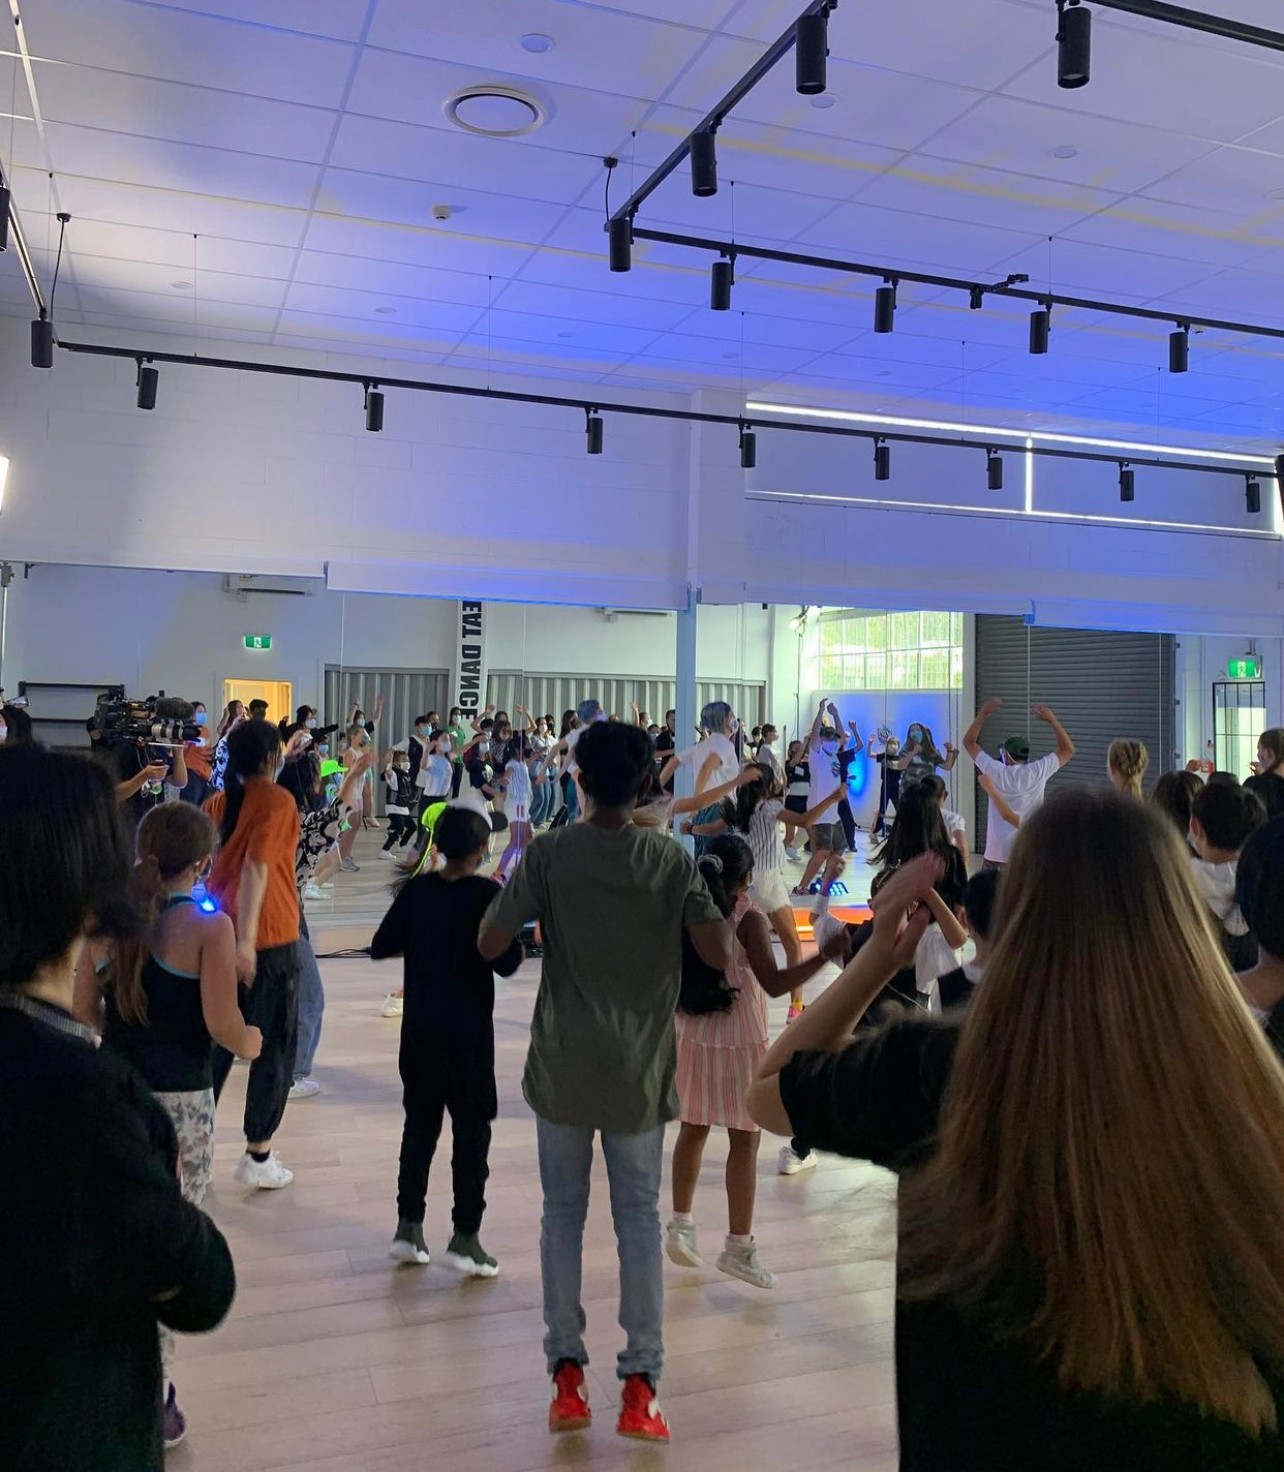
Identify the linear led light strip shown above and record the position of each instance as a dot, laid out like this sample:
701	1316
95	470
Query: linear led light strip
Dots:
986	431
1071	516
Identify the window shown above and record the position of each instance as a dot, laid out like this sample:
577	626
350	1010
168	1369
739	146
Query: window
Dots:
891	651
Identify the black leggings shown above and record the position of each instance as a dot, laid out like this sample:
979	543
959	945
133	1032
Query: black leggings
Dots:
400	826
432	1083
271	1005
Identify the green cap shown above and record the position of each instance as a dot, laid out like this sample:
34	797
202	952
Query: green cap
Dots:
1018	748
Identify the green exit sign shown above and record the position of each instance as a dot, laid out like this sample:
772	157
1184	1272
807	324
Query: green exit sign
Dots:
1246	667
258	641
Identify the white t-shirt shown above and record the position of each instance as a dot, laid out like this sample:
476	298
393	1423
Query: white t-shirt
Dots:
714	745
954	822
826	774
932	960
569	765
517	792
1022	786
435	773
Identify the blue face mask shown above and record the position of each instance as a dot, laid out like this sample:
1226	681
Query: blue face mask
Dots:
324	748
199	718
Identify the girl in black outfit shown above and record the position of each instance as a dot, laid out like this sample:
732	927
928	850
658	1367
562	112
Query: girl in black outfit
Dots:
1269	781
447	1060
1091	1273
97	1243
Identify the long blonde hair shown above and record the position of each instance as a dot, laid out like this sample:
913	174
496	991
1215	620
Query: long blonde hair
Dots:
1112	1138
1129	759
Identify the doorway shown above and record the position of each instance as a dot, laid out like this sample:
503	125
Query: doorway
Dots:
279	695
1239	718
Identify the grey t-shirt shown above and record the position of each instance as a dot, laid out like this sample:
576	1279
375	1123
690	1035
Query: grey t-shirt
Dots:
611	904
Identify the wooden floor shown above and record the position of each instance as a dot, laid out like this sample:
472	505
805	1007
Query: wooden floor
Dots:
333	1360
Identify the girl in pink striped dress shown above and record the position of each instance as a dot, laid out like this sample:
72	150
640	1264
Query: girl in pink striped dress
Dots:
718	1053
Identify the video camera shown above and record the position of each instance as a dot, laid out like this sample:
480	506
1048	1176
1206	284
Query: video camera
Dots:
159	720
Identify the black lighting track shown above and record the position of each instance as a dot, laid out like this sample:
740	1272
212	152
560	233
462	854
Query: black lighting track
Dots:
779	48
739	422
623	222
1199	20
975	289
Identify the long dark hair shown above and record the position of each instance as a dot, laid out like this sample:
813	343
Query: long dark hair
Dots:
64	862
738	811
569	722
927	749
248	749
918	829
171	838
724	866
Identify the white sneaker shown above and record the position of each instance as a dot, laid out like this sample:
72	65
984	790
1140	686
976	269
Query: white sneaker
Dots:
262	1175
408	1254
790	1163
393	1006
315	892
304	1088
350	867
793	855
387	853
741	1261
680	1244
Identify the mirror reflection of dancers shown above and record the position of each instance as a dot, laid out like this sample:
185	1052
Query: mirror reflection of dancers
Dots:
889	777
846	756
523	773
921	757
797	788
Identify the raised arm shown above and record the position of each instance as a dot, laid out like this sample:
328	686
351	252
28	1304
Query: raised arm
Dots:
713	795
814	739
1065	746
755	935
972	736
1013	819
354	777
856	737
951	756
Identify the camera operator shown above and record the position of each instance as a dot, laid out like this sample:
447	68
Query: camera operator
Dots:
142	743
197	755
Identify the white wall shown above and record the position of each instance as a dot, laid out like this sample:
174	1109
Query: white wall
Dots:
1202	662
181	632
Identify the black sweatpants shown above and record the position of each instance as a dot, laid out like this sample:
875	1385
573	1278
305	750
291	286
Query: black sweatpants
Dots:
271	1005
848	819
437	1076
401	829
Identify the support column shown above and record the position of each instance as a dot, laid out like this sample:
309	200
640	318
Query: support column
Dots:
685	700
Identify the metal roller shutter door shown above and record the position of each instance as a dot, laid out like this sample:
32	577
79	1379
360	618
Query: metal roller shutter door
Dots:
550	694
1101	684
406	694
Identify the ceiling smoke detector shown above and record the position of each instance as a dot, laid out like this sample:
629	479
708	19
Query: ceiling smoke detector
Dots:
495	110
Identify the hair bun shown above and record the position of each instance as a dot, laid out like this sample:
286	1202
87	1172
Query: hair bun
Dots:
712	860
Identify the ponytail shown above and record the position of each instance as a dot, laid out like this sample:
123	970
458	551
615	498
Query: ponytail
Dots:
1130	760
171	839
738	811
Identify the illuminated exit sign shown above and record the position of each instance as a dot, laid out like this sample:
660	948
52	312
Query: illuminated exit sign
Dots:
258	641
1246	667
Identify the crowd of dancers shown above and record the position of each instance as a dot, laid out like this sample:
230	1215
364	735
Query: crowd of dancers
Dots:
1068	1052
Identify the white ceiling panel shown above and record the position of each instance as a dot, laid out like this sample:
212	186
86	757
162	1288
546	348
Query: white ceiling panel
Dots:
319	268
410	202
980	196
182	46
186	289
898	237
1240	296
1007	133
570	271
454	160
440	249
1119	274
340	20
1240	181
333	301
602	306
144	108
1164	82
1180	230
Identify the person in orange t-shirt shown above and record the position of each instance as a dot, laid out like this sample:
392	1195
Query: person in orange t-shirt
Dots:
253	880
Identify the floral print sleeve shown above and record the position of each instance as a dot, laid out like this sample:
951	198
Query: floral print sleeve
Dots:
318	832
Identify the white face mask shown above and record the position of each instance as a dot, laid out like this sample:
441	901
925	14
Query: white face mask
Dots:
4	734
310	724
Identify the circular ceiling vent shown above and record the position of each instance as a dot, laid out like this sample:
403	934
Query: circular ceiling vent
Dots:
496	111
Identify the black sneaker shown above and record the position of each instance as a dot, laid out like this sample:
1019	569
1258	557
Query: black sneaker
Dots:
467	1256
408	1245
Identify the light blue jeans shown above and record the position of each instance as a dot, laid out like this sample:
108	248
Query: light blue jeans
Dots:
633	1165
311	1006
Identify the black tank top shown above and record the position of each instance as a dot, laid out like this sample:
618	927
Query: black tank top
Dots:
172	1049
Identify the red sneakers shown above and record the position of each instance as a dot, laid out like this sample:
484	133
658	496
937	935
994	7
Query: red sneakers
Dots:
570	1408
641	1418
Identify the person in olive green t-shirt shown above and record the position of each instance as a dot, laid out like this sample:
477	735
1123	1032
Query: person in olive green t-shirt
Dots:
460	736
612	900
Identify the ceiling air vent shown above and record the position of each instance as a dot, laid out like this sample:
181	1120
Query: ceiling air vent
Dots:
495	111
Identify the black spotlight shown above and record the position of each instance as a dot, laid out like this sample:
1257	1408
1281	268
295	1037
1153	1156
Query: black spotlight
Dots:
704	164
885	308
994	470
148	383
811	47
4	217
1040	322
593	431
1127	482
620	239
374	409
42	342
1253	495
748	449
720	284
1074	45
976	298
1179	350
882	461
